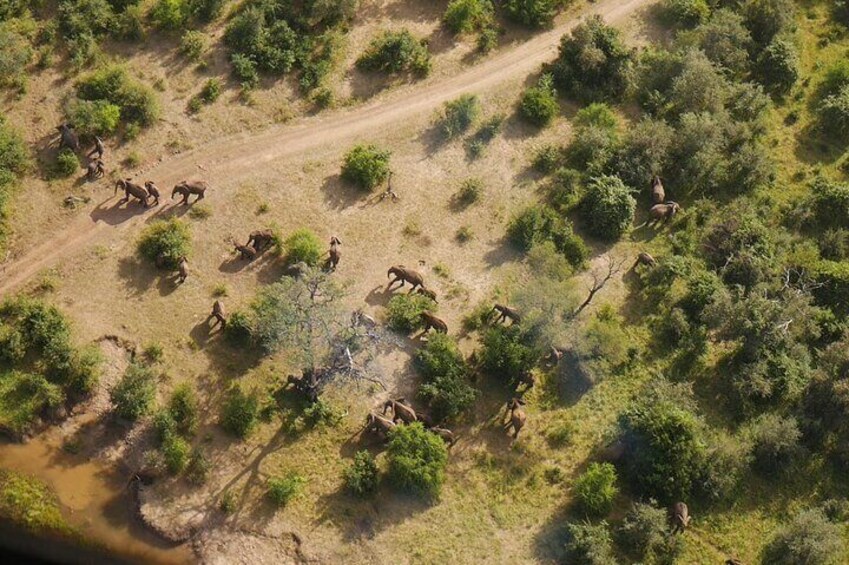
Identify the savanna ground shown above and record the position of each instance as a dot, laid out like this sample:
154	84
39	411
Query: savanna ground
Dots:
272	163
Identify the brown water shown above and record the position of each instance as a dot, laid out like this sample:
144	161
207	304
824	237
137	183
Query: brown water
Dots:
95	499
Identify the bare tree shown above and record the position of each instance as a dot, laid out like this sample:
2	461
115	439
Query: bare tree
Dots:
600	278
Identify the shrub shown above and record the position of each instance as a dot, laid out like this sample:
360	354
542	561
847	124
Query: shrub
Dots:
206	10
596	489
506	352
470	192
67	163
724	39
445	388
361	476
211	91
245	71
539	103
14	155
778	65
608	207
130	24
193	44
466	16
593	62
164	242
644	533
809	538
175	451
546	158
645	152
404	311
283	489
303	246
767	18
366	166
687	13
97	117
487	39
775	442
841	11
85	19
532	13
183	408
240	412
15	55
538	224
257	33
112	84
24	397
170	14
197	471
589	544
459	115
134	394
417	459
396	52
592	149
834	114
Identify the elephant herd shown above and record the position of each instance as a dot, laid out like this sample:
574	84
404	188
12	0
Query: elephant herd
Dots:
662	209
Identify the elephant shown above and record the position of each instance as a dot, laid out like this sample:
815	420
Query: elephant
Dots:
334	254
680	517
427	292
246	252
644	259
405	275
379	425
99	149
219	314
187	188
431	321
555	355
183	269
507	312
260	240
657	193
663	212
400	411
68	137
307	384
526	378
131	189
95	170
153	191
517	416
446	435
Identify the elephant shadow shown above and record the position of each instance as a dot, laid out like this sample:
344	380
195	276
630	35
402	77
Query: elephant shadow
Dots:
379	296
234	264
116	214
204	331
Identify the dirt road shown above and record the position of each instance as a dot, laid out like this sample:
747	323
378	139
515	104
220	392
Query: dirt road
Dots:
234	156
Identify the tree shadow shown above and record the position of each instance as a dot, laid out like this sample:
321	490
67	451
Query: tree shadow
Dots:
137	275
501	252
339	194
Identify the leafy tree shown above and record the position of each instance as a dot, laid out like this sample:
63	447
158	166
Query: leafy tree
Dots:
593	62
608	207
834	114
361	476
257	32
283	489
459	115
404	311
417	459
466	16
687	13
768	18
644	152
446	386
67	163
113	85
396	52
183	408
506	352
532	13
589	544
15	55
97	117
596	489
538	224
808	538
778	65
645	534
85	19
170	14
775	443
366	166
303	246
724	39
539	103
134	394
240	412
164	242
176	451
699	87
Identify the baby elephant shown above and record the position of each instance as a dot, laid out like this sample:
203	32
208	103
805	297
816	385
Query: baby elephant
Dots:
183	269
95	170
153	191
505	312
432	322
218	314
246	252
517	416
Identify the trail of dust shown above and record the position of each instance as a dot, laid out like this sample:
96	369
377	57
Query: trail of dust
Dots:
236	155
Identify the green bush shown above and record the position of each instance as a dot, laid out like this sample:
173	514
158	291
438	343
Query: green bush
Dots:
775	443
67	163
130	24
596	489
134	394
193	44
85	19
538	224
396	52
206	10
366	166
547	158
592	149
532	13
112	84
841	11
808	538
687	13
256	33
211	91
778	65
283	489
24	398
303	246
164	242
197	471
15	55
766	19
644	534
834	114
94	117
170	14
404	311
467	16
470	192
446	386
175	451
14	155
645	152
183	408
417	459
459	115
608	207
245	71
240	412
724	39
361	476
589	544
506	353
539	103
593	62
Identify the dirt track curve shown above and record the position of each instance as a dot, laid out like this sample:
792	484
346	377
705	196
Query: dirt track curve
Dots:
235	155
